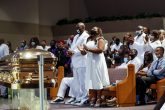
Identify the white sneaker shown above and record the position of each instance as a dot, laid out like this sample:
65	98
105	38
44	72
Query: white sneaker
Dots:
70	100
75	101
58	100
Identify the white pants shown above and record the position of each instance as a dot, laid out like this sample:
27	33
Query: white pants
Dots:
79	83
65	83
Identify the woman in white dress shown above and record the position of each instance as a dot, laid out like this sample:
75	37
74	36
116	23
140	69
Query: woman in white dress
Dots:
97	73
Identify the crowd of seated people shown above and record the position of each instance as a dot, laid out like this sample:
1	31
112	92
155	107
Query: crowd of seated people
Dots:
142	49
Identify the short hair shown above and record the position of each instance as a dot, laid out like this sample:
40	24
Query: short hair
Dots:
155	33
134	51
162	48
117	39
149	55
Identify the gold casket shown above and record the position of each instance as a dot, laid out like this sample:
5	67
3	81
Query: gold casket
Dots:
22	69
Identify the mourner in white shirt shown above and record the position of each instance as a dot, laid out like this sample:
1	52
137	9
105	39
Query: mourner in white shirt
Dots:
78	61
152	42
116	45
78	92
4	50
135	45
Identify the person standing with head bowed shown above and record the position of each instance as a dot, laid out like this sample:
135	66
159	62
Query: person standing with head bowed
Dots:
96	70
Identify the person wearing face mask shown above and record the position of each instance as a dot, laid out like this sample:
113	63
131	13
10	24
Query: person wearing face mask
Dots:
139	35
116	46
126	58
133	59
78	62
152	42
34	43
22	46
97	73
53	47
155	73
132	44
115	49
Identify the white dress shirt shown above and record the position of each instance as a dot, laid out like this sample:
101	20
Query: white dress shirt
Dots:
4	50
78	60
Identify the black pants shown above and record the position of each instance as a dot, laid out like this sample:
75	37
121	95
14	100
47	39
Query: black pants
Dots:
142	83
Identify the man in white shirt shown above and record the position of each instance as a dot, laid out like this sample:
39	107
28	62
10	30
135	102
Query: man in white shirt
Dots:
78	62
134	59
135	45
140	34
117	45
4	50
155	73
152	42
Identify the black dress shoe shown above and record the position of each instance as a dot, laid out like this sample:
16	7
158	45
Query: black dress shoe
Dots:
142	103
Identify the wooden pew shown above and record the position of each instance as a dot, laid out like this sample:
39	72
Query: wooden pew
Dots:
60	75
159	87
124	91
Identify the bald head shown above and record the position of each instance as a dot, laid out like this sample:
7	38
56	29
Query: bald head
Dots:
81	27
81	24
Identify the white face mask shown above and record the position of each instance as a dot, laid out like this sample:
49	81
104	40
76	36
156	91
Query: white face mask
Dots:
33	43
151	38
125	60
22	44
78	31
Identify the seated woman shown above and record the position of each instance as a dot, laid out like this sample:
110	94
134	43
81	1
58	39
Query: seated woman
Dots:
142	72
34	43
148	59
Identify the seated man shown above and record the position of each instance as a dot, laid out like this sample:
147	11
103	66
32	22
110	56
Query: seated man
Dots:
65	83
155	73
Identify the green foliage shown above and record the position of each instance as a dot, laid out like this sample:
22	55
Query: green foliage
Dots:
105	18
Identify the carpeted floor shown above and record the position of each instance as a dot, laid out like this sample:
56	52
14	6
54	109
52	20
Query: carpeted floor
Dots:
5	104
